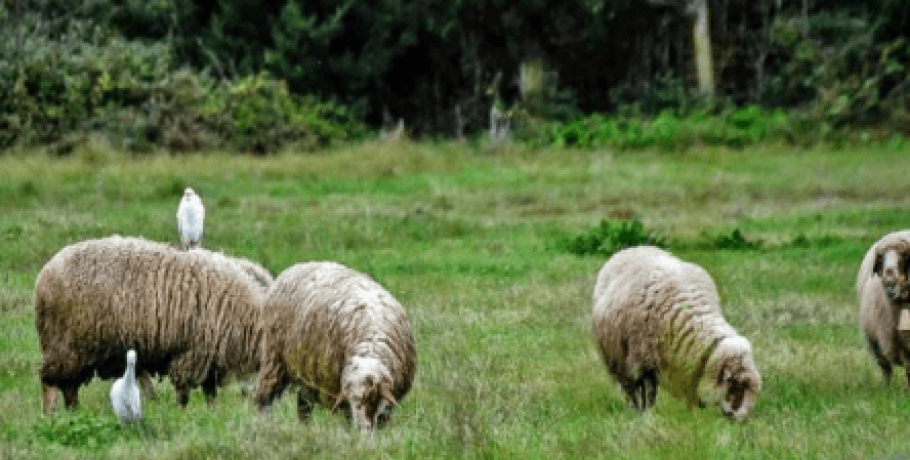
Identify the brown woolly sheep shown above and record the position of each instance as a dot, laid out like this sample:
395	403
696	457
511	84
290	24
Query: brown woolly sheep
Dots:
883	288
263	280
192	315
658	321
341	338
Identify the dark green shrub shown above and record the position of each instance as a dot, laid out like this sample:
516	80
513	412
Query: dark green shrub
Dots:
734	241
83	80
609	237
734	128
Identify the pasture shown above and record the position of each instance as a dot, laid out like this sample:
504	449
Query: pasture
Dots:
468	240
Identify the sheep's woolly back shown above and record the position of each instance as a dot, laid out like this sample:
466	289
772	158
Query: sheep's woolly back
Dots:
192	314
654	311
256	272
319	315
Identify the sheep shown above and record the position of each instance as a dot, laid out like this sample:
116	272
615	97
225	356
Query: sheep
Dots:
262	279
884	300
658	322
341	338
192	315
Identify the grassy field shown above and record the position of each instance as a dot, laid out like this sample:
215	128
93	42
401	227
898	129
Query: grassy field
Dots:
467	240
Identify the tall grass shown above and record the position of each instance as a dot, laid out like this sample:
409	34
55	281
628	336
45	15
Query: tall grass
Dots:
468	242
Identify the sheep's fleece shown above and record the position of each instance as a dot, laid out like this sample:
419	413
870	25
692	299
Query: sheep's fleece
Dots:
340	337
883	287
191	315
658	322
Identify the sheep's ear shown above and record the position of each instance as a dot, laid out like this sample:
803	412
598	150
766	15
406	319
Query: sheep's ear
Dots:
877	266
338	401
387	395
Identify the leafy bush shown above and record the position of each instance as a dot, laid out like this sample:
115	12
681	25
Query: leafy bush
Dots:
734	128
851	77
609	237
80	80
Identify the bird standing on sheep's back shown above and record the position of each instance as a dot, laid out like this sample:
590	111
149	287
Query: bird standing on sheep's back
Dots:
190	215
125	396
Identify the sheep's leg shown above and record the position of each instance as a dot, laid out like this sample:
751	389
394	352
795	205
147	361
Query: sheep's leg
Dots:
881	360
630	388
70	395
210	390
183	395
145	381
649	382
48	398
306	400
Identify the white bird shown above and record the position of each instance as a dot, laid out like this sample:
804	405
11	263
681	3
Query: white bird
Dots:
190	215
125	396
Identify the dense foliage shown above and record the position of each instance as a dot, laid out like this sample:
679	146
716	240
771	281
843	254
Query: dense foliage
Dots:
437	64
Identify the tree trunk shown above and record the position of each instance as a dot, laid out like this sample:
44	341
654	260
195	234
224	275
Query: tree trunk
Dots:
702	43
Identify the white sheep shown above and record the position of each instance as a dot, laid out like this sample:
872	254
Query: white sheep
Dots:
190	216
658	323
883	288
341	338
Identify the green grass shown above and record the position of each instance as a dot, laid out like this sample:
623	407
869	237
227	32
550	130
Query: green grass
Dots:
467	240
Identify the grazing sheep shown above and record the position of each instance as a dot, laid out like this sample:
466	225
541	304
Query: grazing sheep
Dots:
340	337
883	288
190	216
125	398
192	315
658	321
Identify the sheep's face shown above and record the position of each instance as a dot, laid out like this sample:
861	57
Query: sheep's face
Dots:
739	393
738	381
891	267
367	392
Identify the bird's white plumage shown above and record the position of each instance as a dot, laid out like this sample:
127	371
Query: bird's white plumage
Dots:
125	397
190	215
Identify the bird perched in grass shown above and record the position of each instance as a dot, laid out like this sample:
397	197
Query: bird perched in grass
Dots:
125	396
190	214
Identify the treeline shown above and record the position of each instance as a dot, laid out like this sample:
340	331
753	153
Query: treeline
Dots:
255	74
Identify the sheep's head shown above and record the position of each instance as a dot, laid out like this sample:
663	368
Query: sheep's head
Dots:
891	267
737	381
366	386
